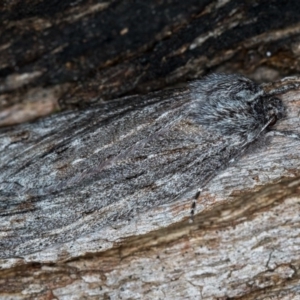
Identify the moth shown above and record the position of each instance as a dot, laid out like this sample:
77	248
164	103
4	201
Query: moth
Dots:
118	159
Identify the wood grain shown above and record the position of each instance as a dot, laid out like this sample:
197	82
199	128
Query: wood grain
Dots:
65	55
244	241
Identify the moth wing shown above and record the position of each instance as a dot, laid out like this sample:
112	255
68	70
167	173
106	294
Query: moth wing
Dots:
111	164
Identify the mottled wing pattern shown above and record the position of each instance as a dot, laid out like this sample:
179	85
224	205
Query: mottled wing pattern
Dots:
110	162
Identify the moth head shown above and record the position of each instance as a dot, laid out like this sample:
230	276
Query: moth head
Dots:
275	110
234	105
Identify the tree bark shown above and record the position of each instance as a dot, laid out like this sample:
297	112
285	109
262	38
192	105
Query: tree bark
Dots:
57	55
245	239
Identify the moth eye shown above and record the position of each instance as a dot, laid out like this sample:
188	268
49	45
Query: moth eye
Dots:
274	120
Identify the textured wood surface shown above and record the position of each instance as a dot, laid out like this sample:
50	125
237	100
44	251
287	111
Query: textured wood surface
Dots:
245	239
55	55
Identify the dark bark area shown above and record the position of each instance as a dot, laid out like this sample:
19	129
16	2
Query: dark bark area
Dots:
56	55
72	55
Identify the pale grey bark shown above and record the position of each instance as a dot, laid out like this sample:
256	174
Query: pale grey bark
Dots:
244	242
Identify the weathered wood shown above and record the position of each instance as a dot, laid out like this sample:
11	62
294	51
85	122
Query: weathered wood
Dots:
244	242
55	56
